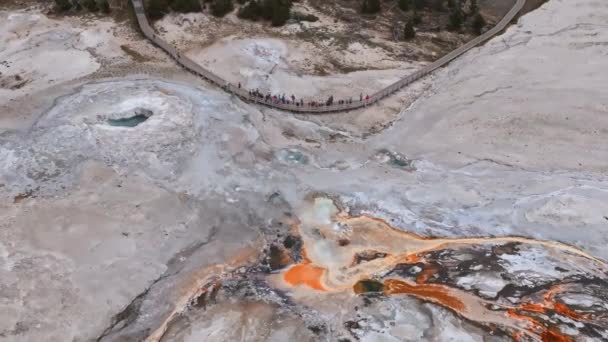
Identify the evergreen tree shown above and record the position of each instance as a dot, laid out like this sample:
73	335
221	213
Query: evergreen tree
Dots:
91	5
408	31
251	11
277	11
437	5
220	8
280	15
281	12
268	8
404	5
157	8
473	8
419	4
478	23
451	4
370	6
185	6
416	18
456	18
105	6
63	5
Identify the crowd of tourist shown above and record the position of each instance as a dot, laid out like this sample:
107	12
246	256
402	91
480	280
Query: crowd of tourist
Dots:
292	100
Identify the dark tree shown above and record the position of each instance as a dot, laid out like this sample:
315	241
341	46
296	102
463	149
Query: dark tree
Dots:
104	5
280	15
281	12
277	11
370	6
251	11
408	31
268	8
473	8
220	8
437	5
63	5
91	5
478	23
157	9
416	18
404	5
419	4
456	19
451	4
186	6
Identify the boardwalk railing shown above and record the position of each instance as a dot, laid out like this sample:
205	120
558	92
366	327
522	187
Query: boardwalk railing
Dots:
244	94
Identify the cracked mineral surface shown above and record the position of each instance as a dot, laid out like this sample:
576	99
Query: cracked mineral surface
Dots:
477	210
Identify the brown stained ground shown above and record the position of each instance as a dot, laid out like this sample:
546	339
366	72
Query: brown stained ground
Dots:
137	57
199	284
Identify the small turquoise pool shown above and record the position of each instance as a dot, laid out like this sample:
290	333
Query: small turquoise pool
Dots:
292	156
128	122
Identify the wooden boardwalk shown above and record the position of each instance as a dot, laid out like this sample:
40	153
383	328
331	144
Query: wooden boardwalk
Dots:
195	68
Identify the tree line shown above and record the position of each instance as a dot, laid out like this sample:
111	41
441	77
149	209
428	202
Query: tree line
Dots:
278	12
78	5
459	13
156	9
275	11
